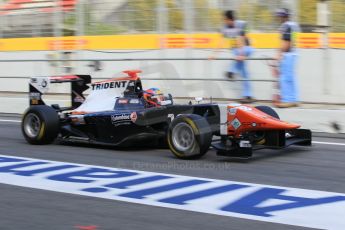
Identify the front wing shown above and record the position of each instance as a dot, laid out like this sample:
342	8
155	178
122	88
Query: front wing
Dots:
273	140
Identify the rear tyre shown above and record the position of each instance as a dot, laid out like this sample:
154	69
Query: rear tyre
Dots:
40	125
189	136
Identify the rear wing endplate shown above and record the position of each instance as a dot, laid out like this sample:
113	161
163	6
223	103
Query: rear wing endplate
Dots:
40	85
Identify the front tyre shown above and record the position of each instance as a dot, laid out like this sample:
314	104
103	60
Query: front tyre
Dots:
268	110
40	125
189	136
263	137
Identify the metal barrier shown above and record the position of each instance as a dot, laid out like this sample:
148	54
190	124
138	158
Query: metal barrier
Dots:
181	75
172	79
148	59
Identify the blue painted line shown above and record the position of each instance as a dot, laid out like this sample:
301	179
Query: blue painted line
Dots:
145	192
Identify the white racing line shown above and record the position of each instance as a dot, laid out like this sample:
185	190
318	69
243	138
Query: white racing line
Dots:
314	142
10	121
328	143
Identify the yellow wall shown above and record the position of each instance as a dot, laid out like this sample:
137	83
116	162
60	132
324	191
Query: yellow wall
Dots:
309	40
156	41
337	40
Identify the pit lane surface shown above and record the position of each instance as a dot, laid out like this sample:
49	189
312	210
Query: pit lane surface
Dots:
319	168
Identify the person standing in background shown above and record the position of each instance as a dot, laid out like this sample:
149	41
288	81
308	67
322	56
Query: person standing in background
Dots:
287	60
235	30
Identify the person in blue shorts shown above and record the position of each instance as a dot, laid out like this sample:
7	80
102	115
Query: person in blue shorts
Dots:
236	32
287	58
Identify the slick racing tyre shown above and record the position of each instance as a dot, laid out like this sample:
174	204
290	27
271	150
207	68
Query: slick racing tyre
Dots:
189	136
40	125
261	137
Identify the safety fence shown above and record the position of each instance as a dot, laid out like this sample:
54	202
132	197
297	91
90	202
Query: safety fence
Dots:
174	75
30	18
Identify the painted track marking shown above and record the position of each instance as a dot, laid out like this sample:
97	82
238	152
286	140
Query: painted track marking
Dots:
277	204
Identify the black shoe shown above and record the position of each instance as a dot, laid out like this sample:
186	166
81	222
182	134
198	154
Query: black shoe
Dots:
247	100
229	75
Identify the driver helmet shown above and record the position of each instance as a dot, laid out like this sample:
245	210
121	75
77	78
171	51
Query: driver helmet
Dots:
153	97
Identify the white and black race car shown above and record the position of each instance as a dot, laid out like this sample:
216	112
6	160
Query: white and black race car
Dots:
119	112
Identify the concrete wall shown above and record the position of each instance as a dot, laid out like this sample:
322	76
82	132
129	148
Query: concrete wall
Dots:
321	73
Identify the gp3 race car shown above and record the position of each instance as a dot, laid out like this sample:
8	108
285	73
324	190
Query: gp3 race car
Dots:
119	112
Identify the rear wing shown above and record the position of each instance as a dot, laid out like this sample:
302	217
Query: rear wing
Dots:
40	85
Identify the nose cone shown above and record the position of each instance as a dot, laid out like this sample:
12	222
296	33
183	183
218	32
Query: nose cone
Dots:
269	122
245	119
272	123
